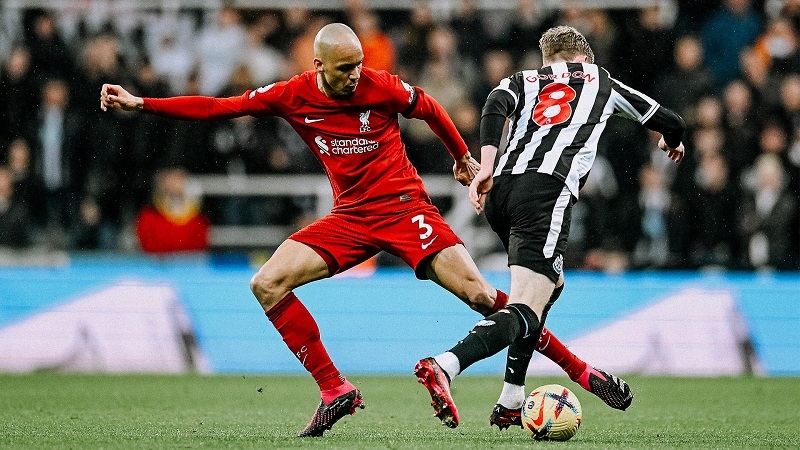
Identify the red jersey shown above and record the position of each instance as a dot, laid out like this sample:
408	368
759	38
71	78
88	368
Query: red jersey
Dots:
356	139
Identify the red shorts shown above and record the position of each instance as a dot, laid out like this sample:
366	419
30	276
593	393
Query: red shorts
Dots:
345	240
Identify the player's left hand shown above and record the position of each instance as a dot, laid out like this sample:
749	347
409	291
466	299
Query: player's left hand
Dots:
480	186
465	169
675	154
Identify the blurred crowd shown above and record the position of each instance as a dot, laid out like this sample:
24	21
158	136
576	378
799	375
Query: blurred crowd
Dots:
74	178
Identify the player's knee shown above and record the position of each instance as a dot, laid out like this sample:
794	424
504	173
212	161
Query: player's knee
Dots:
267	288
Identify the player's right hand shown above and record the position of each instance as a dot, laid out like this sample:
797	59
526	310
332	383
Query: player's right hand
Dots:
115	96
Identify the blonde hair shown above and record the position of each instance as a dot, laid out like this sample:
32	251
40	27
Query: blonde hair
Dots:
565	41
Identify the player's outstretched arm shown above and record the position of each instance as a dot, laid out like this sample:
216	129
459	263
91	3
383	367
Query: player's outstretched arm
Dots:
671	126
115	96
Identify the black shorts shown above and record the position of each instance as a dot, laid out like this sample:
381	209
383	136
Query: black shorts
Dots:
530	212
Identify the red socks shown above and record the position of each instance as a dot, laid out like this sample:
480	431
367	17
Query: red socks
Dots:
555	350
300	332
500	302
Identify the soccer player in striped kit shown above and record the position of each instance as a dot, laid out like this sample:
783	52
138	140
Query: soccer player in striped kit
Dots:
348	115
556	116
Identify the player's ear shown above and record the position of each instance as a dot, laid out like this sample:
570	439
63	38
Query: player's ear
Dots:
318	64
581	59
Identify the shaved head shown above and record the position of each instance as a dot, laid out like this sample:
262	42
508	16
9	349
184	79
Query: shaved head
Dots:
335	37
337	58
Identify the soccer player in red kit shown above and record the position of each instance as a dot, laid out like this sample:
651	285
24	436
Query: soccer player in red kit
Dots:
379	200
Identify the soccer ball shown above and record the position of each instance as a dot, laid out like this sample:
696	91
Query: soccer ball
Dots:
551	412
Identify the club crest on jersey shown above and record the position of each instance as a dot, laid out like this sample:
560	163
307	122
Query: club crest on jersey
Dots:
558	264
364	118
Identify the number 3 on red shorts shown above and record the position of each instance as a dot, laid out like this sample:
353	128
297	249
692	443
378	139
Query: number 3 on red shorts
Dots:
422	226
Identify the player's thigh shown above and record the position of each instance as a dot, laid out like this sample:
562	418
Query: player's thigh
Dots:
531	288
341	240
454	269
415	236
539	218
293	264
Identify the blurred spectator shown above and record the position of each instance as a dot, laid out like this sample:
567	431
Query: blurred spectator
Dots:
756	73
689	80
603	36
769	217
774	140
778	46
425	150
412	41
189	144
168	43
442	48
446	76
56	153
496	65
218	48
301	52
100	60
174	221
468	27
789	9
379	51
713	215
18	94
592	227
466	117
294	21
650	43
651	222
14	217
50	56
788	111
266	63
146	152
706	142
708	112
527	23
741	125
28	186
731	28
92	231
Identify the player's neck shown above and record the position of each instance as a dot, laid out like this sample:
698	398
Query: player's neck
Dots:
321	86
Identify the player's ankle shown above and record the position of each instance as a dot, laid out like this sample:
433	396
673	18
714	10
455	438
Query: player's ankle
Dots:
329	395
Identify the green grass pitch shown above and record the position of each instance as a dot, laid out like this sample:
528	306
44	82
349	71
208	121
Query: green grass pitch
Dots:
53	411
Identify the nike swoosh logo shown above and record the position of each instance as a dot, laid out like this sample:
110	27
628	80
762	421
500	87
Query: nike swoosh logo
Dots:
539	419
425	245
313	120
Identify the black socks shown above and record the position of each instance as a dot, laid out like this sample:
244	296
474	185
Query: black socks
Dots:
496	332
521	350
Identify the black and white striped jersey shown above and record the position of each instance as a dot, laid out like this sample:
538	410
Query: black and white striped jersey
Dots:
558	114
